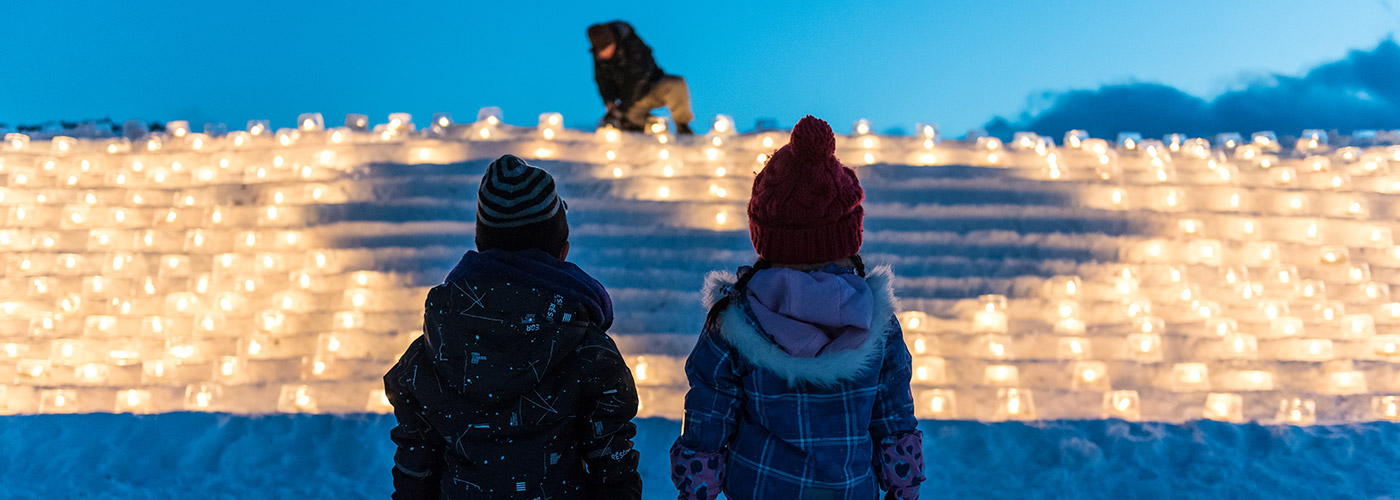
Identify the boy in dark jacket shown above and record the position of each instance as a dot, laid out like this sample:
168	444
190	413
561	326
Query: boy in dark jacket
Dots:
631	83
514	390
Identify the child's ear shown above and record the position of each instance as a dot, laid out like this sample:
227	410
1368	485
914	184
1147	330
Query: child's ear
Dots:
564	252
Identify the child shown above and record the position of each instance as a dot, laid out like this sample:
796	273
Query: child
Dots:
514	390
799	383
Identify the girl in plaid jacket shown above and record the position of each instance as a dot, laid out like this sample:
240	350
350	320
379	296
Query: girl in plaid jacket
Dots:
799	382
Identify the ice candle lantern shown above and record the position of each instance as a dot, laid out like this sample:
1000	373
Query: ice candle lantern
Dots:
938	404
1297	411
1122	404
1015	404
991	314
311	122
1225	407
550	124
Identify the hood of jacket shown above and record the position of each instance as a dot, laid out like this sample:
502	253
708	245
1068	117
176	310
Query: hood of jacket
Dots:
814	327
503	321
811	313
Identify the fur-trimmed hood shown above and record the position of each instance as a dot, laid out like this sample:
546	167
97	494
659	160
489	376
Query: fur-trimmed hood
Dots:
739	328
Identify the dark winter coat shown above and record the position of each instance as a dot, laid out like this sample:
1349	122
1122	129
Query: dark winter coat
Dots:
631	71
761	423
514	390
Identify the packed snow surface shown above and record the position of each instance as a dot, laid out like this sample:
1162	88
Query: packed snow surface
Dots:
199	455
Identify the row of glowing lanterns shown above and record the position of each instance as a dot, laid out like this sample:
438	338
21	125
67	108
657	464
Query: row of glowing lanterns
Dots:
1013	403
1010	403
1262	148
204	396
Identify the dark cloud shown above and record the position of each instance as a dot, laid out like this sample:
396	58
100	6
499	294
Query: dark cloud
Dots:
1360	91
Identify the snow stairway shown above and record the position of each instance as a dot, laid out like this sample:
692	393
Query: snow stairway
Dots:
285	271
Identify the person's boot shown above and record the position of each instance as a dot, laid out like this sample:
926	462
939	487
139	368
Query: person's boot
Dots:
684	129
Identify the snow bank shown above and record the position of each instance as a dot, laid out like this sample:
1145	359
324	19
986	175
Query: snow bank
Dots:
327	456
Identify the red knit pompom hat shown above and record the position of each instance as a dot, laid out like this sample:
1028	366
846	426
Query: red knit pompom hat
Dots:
805	207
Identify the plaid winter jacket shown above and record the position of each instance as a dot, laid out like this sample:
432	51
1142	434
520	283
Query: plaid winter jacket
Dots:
760	423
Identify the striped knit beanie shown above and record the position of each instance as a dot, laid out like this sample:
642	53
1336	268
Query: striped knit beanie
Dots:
517	209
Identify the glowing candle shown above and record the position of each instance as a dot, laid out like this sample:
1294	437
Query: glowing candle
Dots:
1347	382
990	315
317	366
133	401
1001	375
1144	348
1249	380
1273	309
1329	311
378	402
1221	326
91	373
270	321
1122	404
1224	406
13	350
155	370
348	320
202	396
920	345
1072	348
124	352
1089	375
997	347
58	401
1358	326
930	371
67	351
1015	404
640	371
1286	326
311	122
1386	346
1357	273
1312	289
1386	407
32	370
937	404
1189	377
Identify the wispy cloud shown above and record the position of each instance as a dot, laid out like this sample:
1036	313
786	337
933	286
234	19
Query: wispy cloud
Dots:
1360	91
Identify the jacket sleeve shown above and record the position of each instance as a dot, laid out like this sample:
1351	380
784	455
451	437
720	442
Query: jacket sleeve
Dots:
607	445
419	458
711	414
898	460
607	87
638	67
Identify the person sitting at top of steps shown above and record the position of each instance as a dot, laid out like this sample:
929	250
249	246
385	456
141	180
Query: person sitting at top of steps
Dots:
631	83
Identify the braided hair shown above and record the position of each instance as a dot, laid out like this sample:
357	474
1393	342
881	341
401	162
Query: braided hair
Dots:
712	318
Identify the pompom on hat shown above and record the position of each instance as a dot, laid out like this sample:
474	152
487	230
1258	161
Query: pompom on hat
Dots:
806	206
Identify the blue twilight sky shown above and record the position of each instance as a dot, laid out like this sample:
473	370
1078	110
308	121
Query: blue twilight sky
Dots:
957	63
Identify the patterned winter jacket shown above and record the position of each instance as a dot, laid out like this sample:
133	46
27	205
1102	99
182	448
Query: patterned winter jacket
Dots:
514	390
761	423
